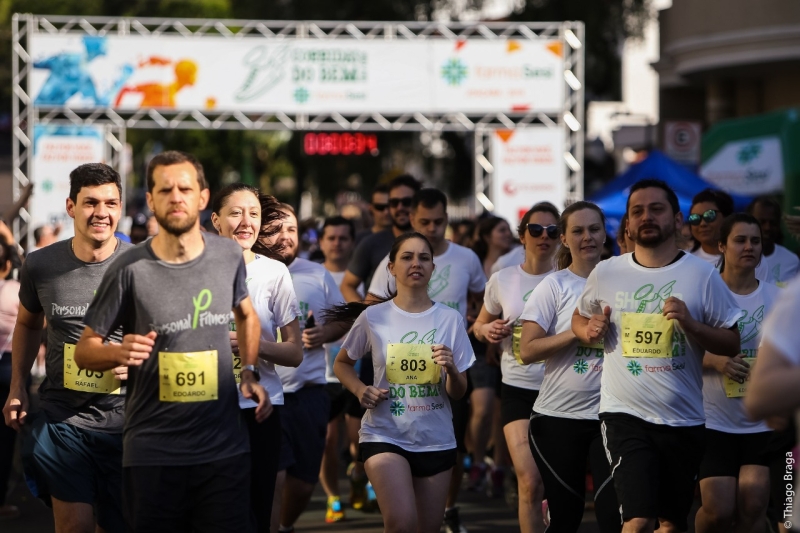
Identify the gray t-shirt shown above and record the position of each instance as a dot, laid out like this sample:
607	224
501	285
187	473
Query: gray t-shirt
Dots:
55	282
369	254
175	415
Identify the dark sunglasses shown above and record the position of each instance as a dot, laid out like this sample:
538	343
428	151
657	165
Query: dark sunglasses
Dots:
394	202
536	230
380	207
709	216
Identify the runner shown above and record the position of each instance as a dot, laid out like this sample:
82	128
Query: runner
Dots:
734	473
337	245
564	425
238	213
379	211
73	454
457	280
185	458
506	294
407	441
657	309
783	263
306	403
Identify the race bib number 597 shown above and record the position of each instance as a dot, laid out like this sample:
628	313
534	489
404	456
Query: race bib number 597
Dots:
646	335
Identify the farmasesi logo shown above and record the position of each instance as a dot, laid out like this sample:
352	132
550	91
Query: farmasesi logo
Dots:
69	310
200	318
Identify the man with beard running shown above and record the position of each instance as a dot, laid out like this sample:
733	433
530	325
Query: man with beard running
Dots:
657	310
186	462
73	455
306	406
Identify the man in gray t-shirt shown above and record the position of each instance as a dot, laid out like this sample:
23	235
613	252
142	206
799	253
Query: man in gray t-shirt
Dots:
73	453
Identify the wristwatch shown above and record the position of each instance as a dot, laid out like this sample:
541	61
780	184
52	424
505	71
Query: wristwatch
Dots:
254	370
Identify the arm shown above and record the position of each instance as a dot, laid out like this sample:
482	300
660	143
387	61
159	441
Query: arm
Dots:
319	335
248	329
349	287
722	341
456	384
591	330
91	353
773	389
289	352
368	396
535	345
488	328
733	367
24	347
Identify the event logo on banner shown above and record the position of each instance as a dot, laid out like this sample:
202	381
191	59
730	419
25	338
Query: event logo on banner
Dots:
749	167
297	75
528	168
57	150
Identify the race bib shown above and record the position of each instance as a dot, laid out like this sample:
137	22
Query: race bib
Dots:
188	377
516	339
411	364
646	335
84	380
734	389
237	368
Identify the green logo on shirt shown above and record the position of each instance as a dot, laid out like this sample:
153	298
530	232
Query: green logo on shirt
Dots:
411	338
580	366
397	408
634	368
754	321
645	295
439	281
201	303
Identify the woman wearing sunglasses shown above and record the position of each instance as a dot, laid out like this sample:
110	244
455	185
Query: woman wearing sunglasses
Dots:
505	296
734	472
565	425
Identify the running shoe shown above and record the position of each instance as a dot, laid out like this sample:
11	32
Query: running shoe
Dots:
496	487
477	477
358	489
372	500
334	512
545	513
452	521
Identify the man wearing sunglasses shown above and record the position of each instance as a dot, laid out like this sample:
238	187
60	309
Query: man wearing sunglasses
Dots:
371	251
379	210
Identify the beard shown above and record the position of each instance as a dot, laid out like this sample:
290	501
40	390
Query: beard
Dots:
176	228
403	227
663	235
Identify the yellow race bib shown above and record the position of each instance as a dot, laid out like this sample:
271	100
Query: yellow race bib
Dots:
237	368
411	364
734	389
646	335
516	339
87	380
188	377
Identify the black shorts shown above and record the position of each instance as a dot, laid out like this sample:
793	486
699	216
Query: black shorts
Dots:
210	497
482	374
304	419
343	401
516	403
726	453
654	466
76	465
423	464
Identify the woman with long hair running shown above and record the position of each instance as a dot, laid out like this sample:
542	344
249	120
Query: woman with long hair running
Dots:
734	473
498	323
420	354
237	214
564	424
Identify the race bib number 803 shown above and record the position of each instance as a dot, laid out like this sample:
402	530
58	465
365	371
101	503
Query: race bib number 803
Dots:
411	364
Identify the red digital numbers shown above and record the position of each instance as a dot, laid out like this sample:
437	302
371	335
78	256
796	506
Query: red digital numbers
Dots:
340	144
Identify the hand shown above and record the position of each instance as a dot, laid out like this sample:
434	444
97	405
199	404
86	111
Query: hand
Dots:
675	309
120	373
735	368
494	332
15	410
598	325
234	341
252	390
777	422
372	396
443	356
312	337
136	349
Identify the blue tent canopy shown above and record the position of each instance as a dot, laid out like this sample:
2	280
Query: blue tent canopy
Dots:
613	198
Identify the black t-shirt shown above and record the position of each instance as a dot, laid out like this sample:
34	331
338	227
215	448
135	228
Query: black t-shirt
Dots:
174	415
370	253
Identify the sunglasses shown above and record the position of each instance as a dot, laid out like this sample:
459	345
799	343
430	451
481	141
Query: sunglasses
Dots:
709	216
536	230
394	202
380	207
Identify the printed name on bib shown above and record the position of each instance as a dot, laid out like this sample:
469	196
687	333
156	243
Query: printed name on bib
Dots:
188	377
84	380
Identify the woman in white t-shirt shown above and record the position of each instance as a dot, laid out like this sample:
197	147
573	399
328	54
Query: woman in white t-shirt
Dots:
505	296
734	473
238	212
564	424
420	354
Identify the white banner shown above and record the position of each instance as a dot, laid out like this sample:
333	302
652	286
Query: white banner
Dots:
529	167
57	150
256	74
749	167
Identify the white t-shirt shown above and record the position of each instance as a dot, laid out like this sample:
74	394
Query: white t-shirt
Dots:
727	414
458	272
417	418
763	270
272	294
571	386
332	348
315	291
659	390
784	265
512	258
780	328
506	294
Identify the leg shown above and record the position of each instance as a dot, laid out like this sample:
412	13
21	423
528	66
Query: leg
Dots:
154	499
680	452
531	489
265	443
353	426
606	504
719	505
296	495
639	525
329	471
752	499
277	500
8	437
390	475
73	517
460	422
430	494
480	427
219	496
